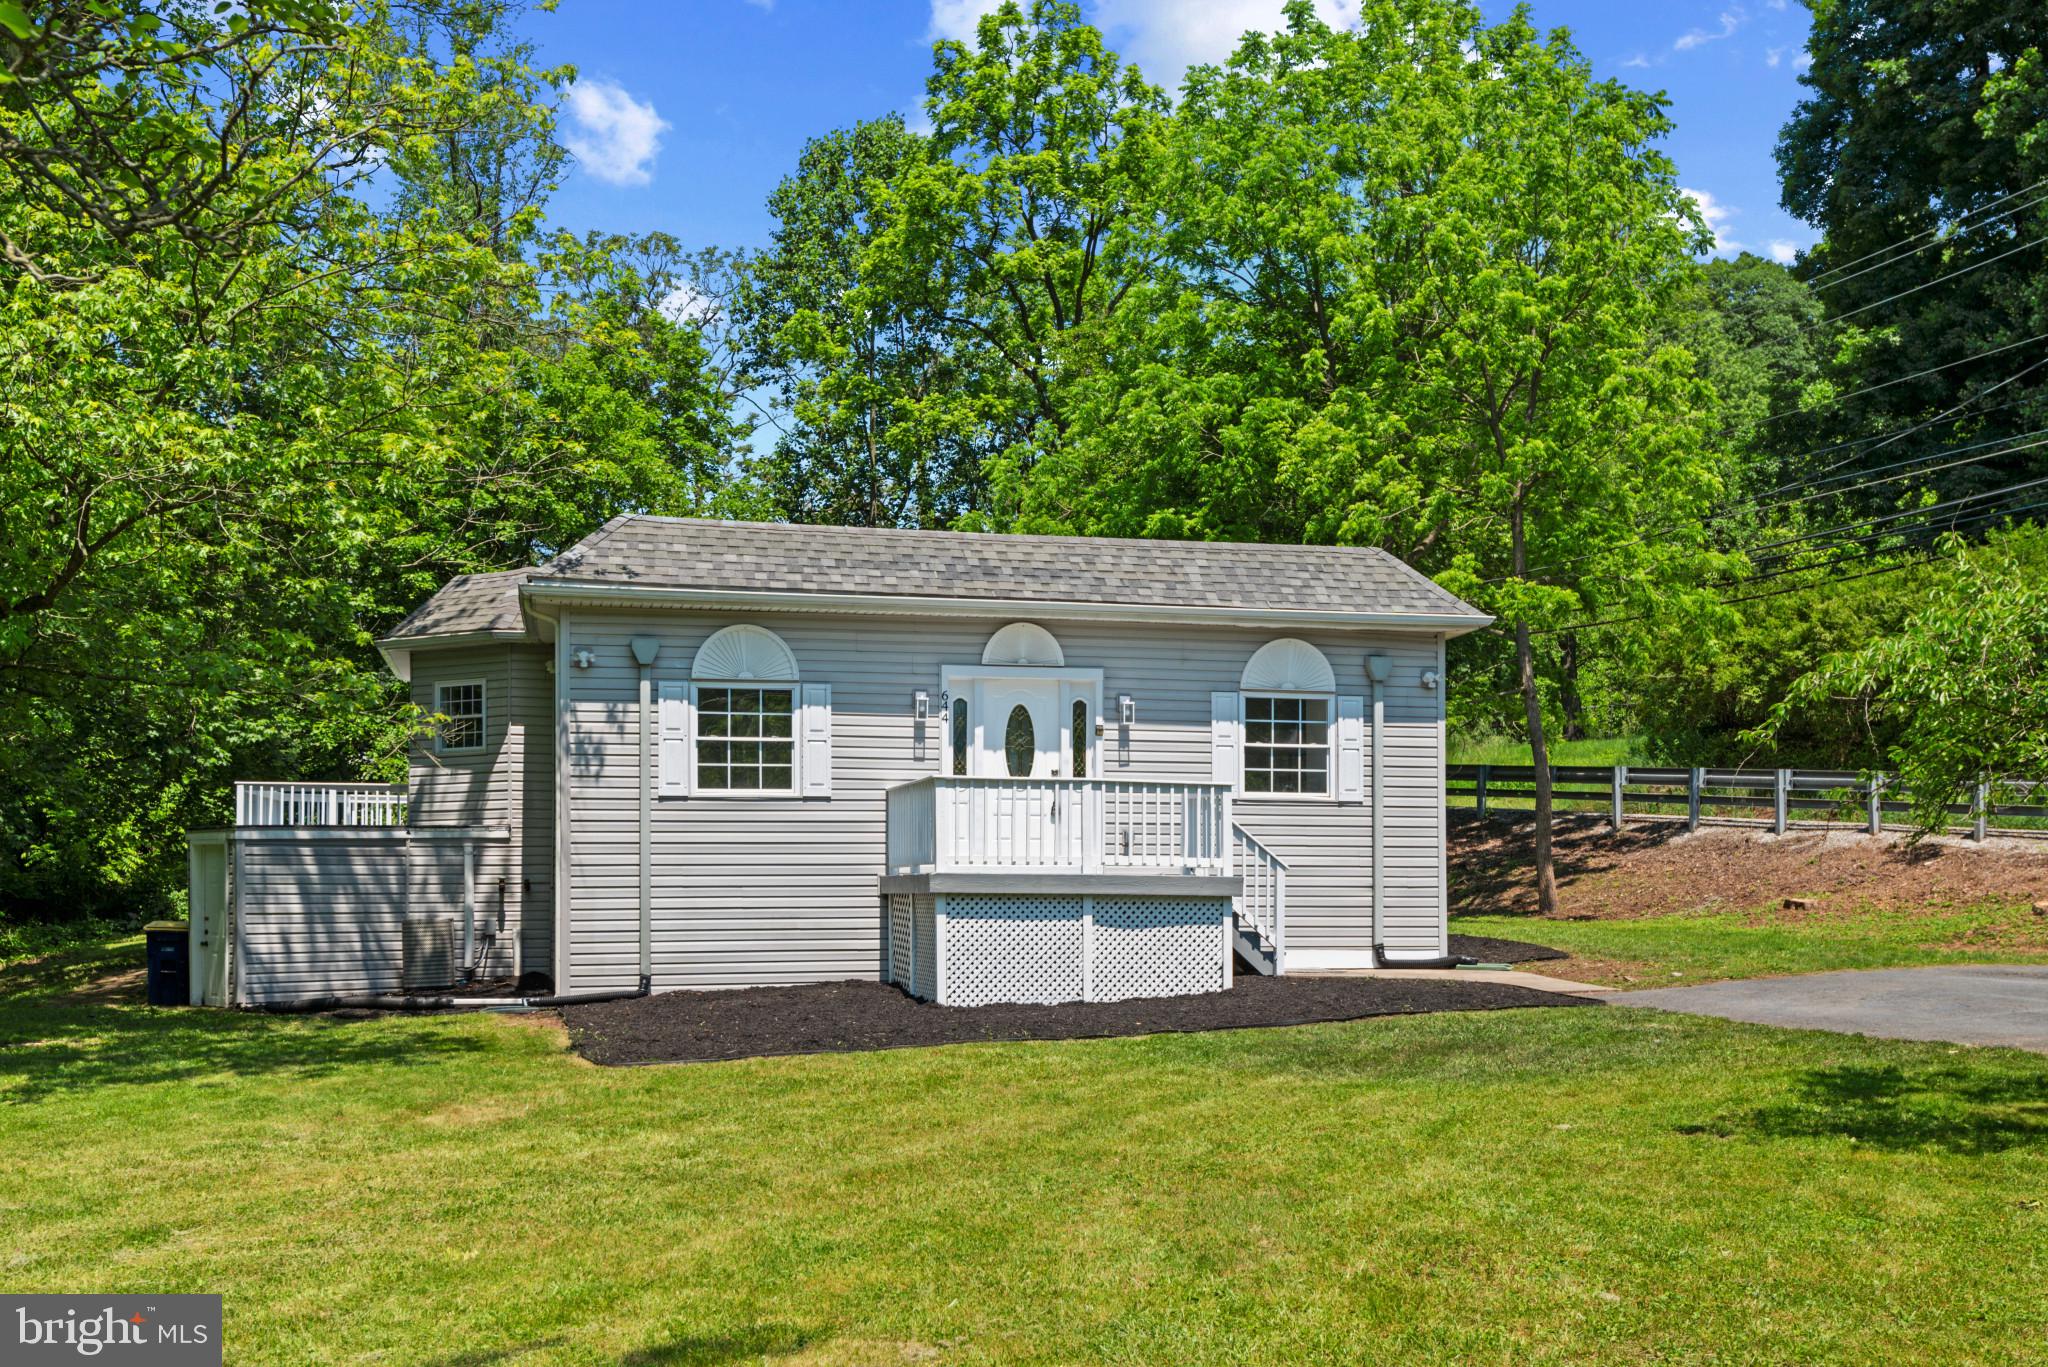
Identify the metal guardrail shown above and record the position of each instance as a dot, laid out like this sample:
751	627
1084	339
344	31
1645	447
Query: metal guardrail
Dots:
1776	796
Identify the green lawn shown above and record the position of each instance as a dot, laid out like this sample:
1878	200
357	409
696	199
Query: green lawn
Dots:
1726	944
1535	1186
1501	750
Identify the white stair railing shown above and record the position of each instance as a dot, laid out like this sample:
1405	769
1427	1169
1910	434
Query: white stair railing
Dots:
1262	906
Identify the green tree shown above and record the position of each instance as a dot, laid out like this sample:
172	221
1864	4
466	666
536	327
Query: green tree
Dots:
254	416
884	419
1962	685
1917	154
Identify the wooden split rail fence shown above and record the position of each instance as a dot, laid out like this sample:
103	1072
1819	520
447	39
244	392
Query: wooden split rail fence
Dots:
1773	797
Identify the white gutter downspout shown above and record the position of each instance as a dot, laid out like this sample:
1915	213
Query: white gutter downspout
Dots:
1377	669
645	648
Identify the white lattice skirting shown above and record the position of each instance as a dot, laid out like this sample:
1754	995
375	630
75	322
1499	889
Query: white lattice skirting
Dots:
978	950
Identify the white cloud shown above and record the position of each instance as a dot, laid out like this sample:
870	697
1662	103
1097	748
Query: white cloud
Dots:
1802	62
1715	214
956	19
687	304
1731	20
1783	252
1779	5
1773	56
614	136
1639	60
1164	37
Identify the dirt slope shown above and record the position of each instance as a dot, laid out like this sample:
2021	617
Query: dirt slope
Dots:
1659	870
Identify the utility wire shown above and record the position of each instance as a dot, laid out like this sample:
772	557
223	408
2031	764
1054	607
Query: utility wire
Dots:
1930	284
1799	569
1959	229
1959	219
1904	512
1900	436
1759	506
1901	379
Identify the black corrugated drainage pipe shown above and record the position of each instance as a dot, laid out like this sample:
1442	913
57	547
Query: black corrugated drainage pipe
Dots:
419	1003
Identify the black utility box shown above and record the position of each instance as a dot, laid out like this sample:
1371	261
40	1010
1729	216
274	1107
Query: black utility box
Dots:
170	968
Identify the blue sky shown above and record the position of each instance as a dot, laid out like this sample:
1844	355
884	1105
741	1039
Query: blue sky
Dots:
687	113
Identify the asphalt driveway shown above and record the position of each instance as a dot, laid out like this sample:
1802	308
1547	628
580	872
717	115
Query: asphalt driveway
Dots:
1964	1004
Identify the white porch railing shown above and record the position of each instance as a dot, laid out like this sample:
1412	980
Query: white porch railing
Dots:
1074	825
1262	906
320	804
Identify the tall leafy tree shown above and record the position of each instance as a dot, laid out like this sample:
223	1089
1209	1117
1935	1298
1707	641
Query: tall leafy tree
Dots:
1916	152
884	419
256	410
1408	287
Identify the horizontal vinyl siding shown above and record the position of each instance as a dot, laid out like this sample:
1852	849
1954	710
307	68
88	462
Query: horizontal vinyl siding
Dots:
509	783
763	890
317	919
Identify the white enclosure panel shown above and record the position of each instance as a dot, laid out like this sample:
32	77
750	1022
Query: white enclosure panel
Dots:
1012	949
1158	946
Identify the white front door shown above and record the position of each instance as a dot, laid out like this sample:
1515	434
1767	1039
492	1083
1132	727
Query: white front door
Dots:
1020	729
1019	738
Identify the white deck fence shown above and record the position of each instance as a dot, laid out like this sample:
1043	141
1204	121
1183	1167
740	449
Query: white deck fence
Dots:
320	804
1779	798
1077	825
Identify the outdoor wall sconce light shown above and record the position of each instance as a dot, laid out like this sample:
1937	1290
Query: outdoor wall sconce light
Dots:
1126	710
1430	679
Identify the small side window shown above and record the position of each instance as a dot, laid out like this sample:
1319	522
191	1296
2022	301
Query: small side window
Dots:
960	737
1080	738
461	707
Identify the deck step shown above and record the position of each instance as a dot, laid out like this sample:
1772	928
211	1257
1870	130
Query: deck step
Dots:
1254	950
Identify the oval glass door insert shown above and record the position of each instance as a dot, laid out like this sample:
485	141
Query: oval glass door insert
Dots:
1020	744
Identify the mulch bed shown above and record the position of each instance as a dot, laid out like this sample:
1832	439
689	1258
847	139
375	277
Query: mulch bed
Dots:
850	1017
1488	950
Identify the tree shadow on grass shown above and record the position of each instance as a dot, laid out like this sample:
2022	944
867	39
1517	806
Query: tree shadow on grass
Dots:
1957	1110
754	1343
55	1039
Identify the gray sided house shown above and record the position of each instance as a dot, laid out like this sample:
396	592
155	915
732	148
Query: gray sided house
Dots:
692	754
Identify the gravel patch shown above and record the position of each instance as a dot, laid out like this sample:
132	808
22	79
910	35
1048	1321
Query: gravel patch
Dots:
855	1016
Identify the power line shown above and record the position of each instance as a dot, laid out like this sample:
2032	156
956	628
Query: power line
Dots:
1799	569
1926	232
1901	379
1758	505
1950	411
1904	512
1930	284
1817	284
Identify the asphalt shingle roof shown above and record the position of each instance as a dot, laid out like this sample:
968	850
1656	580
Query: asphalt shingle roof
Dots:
690	553
468	603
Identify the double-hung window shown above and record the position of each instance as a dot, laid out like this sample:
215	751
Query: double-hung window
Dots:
746	738
461	709
1286	744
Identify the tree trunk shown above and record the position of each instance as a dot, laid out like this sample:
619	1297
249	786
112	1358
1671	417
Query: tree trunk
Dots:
1568	700
1539	755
